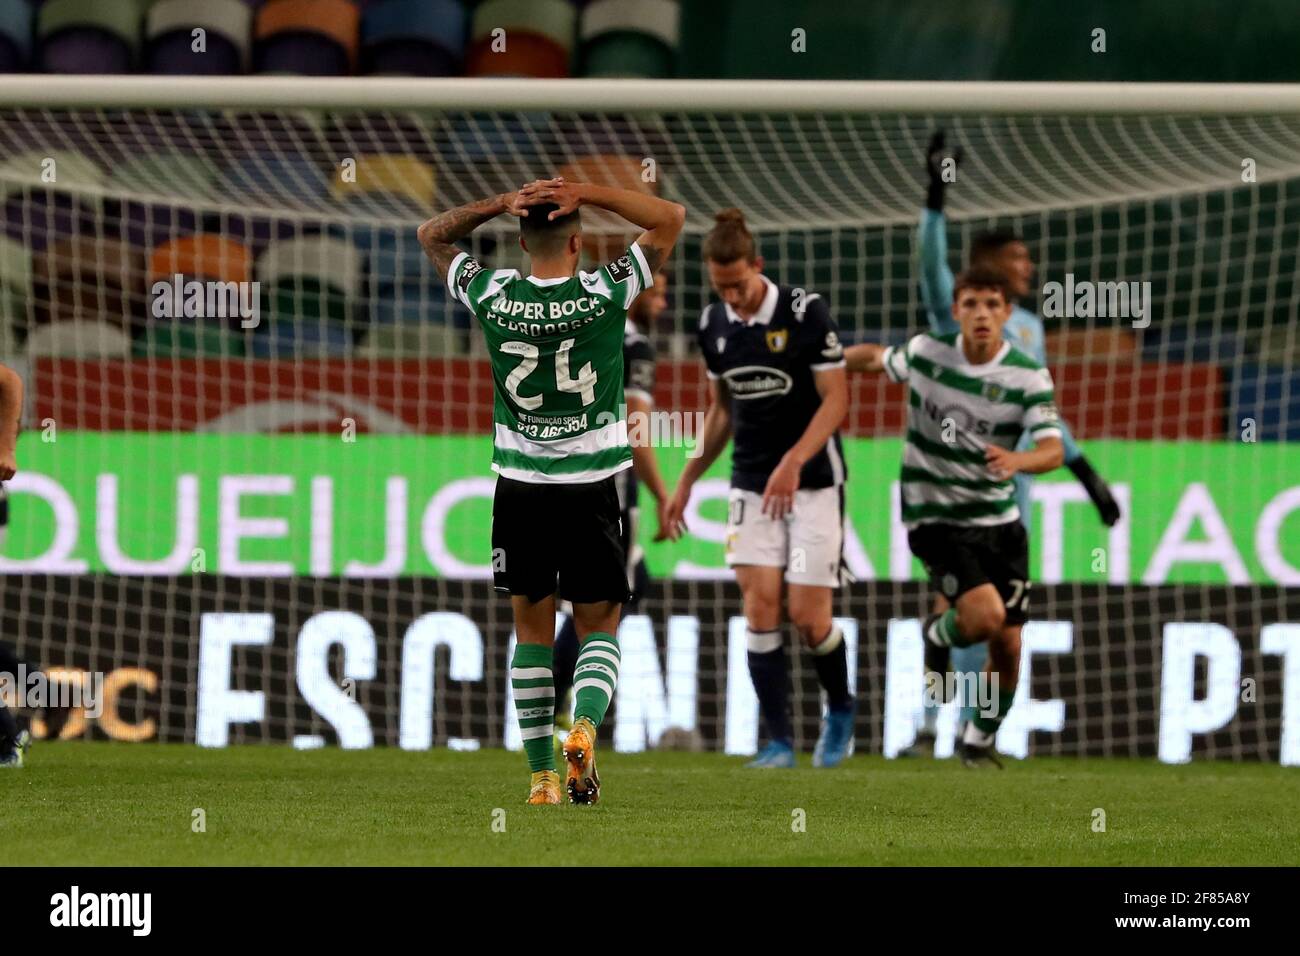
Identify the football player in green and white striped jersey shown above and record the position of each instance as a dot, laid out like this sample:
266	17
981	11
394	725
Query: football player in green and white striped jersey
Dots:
555	339
971	395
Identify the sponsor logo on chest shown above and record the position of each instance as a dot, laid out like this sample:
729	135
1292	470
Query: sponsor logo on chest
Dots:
757	381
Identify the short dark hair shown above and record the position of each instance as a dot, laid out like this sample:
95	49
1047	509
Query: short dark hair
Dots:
986	244
981	277
544	235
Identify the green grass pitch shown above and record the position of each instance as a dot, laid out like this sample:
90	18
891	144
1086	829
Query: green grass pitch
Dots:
129	804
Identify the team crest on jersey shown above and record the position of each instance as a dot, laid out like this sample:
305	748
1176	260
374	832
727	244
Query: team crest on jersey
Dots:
993	391
777	339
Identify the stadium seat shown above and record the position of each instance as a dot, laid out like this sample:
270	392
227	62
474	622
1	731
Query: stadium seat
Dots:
307	37
178	340
275	179
539	37
169	29
85	278
298	339
88	36
1270	396
202	257
254	231
630	38
336	262
388	183
309	286
145	224
79	338
510	142
413	38
37	212
168	173
15	35
395	258
49	170
169	177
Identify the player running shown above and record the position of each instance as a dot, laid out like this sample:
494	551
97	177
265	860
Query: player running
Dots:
1006	253
638	389
776	369
555	338
972	398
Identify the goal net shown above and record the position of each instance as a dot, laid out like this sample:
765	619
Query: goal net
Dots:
253	501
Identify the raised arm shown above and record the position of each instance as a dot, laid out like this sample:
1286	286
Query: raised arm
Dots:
438	235
662	220
932	241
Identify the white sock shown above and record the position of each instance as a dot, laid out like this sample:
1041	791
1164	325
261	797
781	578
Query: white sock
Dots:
976	737
832	640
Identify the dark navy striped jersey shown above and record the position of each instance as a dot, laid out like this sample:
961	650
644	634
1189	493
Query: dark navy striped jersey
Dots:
769	365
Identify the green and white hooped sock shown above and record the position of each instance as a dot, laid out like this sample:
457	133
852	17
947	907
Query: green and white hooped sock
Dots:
532	684
987	727
595	676
945	633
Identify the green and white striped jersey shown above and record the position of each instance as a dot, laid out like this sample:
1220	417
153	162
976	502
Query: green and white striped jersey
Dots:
955	410
556	348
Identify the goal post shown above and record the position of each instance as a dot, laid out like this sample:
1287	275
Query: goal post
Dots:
254	491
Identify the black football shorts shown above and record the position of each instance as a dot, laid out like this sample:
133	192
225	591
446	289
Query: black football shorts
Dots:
961	557
559	537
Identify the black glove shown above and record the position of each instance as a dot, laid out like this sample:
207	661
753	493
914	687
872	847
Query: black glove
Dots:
934	157
1097	490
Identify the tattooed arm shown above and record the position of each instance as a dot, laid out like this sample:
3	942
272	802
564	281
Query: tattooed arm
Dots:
662	220
438	234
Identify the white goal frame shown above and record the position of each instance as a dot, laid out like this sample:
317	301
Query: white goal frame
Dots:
632	95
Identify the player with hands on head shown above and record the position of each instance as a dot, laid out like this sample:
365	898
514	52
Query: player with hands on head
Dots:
555	339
